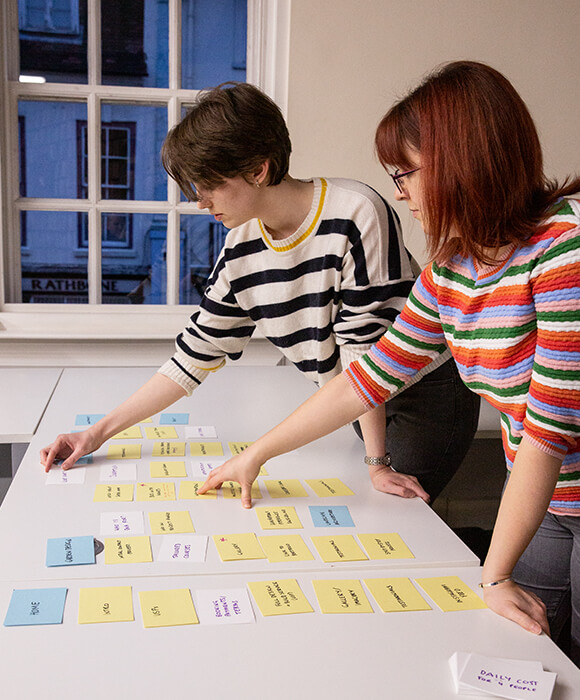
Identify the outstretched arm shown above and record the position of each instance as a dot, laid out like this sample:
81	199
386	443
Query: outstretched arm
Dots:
523	506
325	411
158	393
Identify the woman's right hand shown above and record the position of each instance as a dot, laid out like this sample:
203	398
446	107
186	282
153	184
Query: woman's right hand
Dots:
242	469
69	447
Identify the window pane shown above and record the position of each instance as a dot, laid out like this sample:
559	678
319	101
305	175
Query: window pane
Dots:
202	239
131	142
213	42
135	41
49	143
134	258
53	39
53	268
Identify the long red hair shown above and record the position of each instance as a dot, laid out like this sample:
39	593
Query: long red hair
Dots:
482	175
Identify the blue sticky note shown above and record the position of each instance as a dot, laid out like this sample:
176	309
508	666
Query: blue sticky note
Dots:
174	419
36	606
69	551
87	459
88	418
331	516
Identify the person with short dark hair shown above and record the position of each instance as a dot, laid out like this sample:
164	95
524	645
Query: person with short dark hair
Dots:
317	266
503	295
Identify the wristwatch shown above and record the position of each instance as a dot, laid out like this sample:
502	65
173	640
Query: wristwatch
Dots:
379	461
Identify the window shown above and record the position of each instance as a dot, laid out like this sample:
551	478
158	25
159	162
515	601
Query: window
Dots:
88	214
117	180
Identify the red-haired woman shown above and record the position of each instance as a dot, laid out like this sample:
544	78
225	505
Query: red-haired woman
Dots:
503	293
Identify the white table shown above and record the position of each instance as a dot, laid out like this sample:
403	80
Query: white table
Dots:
402	655
24	395
241	402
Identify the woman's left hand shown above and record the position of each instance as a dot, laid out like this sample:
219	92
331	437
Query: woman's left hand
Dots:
521	606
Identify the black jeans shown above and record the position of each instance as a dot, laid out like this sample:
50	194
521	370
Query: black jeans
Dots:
430	427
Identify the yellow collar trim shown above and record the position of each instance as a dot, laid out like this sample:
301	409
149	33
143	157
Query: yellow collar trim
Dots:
298	241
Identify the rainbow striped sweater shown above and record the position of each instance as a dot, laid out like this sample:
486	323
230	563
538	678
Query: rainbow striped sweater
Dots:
514	331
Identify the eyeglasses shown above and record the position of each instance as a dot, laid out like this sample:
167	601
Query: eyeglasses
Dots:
398	177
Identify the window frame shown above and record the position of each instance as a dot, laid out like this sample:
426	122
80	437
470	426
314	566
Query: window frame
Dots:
267	67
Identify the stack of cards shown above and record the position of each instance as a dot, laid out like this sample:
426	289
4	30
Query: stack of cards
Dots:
474	674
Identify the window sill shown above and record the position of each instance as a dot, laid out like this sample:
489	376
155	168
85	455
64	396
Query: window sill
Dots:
102	337
84	322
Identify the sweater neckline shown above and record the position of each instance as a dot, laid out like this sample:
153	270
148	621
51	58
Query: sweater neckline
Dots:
483	272
306	227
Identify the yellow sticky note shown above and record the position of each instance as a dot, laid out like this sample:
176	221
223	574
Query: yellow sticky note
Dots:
113	492
111	604
238	546
128	550
161	432
168	449
231	489
338	548
385	546
282	597
285	488
450	593
167	608
280	548
278	518
237	448
124	452
129	433
329	487
396	594
188	490
146	420
206	449
344	596
170	522
167	469
163	491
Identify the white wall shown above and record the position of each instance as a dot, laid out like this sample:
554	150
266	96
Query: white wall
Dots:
350	59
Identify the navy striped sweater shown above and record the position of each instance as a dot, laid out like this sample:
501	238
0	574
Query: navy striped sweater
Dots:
322	296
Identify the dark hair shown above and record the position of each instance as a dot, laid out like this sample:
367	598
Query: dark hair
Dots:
481	161
230	130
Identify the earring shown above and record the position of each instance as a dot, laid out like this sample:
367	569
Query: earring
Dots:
257	184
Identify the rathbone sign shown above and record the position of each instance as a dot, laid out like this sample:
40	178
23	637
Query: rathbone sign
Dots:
51	284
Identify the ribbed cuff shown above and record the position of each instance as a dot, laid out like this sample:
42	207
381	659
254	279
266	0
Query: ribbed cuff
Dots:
187	376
